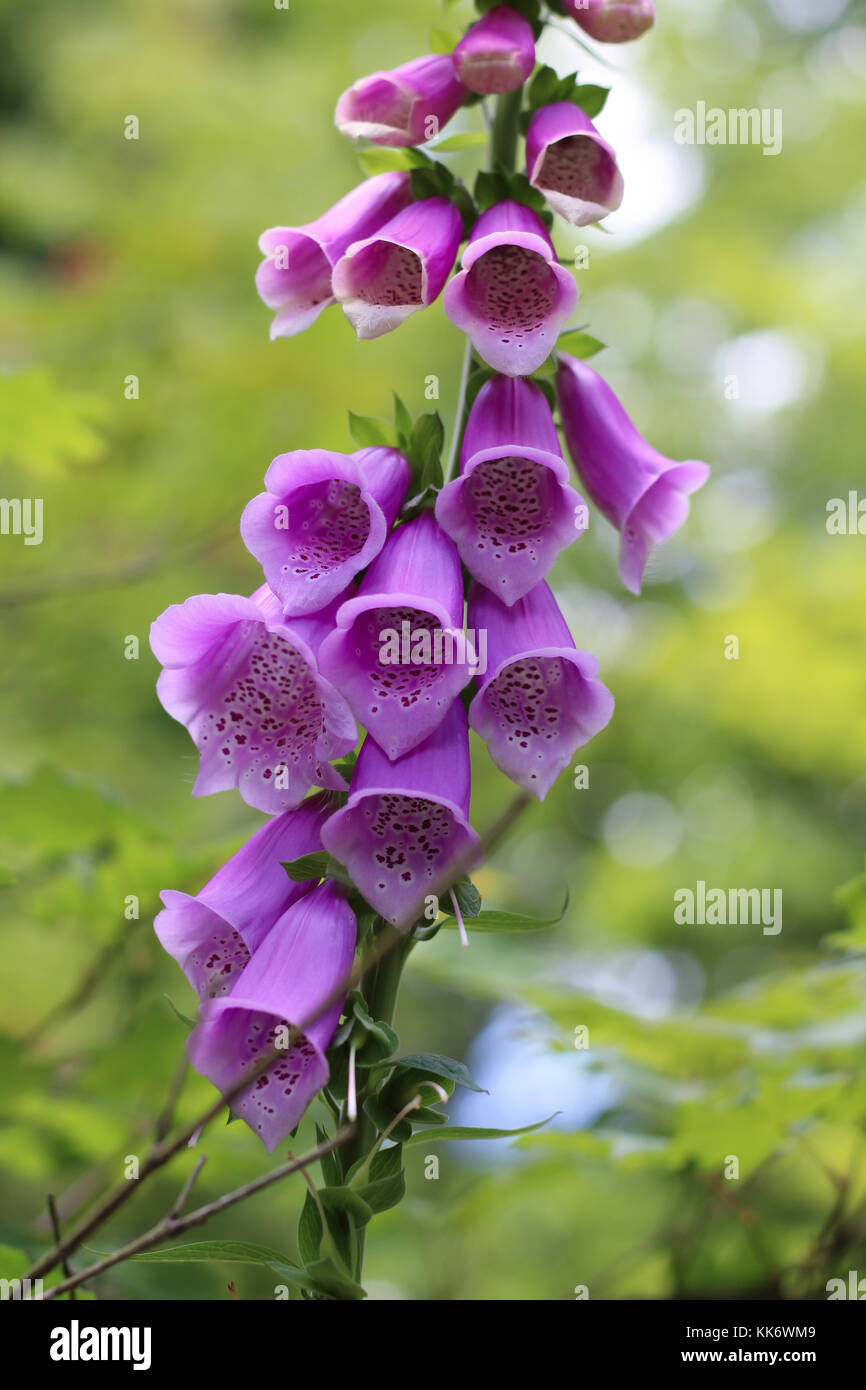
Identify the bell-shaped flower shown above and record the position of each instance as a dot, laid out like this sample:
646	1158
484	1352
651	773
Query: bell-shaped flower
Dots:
643	494
398	653
383	279
541	698
404	832
323	517
407	106
295	277
613	21
511	296
246	683
281	1001
571	165
512	509
497	54
213	935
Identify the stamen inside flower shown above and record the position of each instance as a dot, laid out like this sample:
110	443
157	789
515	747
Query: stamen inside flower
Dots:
513	290
329	523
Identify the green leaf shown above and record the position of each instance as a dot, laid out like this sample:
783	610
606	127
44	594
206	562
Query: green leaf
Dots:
402	419
544	87
494	920
382	1115
369	432
383	1193
345	1200
225	1251
434	1064
579	344
466	1132
189	1022
467	895
377	160
308	866
443	41
546	385
309	1231
386	1163
425	447
590	98
467	140
489	188
330	1279
329	1162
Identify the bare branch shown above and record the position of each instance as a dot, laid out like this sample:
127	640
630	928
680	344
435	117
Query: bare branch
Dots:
174	1225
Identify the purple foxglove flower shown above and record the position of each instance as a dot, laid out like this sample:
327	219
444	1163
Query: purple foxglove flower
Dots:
640	491
571	165
323	517
497	54
541	699
383	279
511	296
213	935
306	955
612	21
246	684
404	832
512	510
406	106
295	277
398	653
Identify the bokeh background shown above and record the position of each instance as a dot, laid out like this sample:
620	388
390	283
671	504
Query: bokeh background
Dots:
731	295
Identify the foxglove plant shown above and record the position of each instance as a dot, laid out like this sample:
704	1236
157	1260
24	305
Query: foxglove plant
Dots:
362	612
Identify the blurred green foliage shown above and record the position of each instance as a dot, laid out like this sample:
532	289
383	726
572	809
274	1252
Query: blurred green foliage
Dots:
124	258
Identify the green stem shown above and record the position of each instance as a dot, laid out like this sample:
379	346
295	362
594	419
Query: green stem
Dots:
380	994
505	132
383	982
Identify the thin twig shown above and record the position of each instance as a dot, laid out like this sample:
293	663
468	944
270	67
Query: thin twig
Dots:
456	437
173	1225
55	1226
387	940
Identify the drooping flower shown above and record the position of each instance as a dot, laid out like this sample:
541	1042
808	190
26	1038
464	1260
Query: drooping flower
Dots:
612	21
404	833
281	1000
541	698
213	935
295	277
511	296
323	517
512	509
643	494
246	683
407	106
571	165
398	652
383	279
497	54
